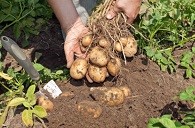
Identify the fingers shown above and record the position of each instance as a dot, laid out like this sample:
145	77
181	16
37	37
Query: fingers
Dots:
113	12
71	50
69	57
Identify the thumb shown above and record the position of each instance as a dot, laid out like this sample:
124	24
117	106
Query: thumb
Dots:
112	12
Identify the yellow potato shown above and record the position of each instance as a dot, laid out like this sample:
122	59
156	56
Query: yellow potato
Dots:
131	48
86	40
118	47
97	74
123	41
78	68
126	90
45	103
114	66
104	43
89	109
111	96
98	56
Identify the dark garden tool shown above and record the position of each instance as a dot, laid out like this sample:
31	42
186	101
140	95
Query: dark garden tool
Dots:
12	47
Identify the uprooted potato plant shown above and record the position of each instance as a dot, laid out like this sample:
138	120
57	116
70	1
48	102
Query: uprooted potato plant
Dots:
108	43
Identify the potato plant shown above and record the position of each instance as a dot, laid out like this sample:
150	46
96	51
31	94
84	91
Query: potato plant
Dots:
108	43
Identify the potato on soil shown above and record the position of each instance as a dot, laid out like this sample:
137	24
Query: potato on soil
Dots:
126	90
86	40
78	68
45	103
104	43
131	48
114	66
111	96
89	109
97	74
98	56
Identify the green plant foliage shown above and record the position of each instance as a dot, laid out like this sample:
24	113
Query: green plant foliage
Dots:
188	117
31	109
165	25
24	16
47	74
188	63
188	94
165	122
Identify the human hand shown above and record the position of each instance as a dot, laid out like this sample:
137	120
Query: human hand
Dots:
129	7
71	44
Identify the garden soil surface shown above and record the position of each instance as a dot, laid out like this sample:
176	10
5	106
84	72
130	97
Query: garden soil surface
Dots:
153	92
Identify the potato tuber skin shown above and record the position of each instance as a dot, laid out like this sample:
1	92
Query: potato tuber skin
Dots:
89	109
97	74
131	48
78	68
45	103
104	43
114	66
86	40
111	96
98	56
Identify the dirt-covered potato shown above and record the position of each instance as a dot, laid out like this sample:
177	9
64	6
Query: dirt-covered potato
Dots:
114	66
104	43
78	68
45	103
111	96
89	109
98	56
86	40
126	90
131	48
97	74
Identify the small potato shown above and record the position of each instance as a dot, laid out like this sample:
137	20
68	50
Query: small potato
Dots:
45	103
78	68
104	43
86	40
123	41
114	66
97	74
110	96
126	90
98	56
118	47
89	109
131	48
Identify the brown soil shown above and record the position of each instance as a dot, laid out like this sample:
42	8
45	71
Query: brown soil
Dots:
153	91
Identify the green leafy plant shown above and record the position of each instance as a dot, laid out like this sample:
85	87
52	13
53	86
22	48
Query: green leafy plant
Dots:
188	117
187	63
24	16
165	25
47	74
31	109
165	122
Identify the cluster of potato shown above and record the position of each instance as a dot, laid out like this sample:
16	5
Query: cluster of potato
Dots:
110	96
102	59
